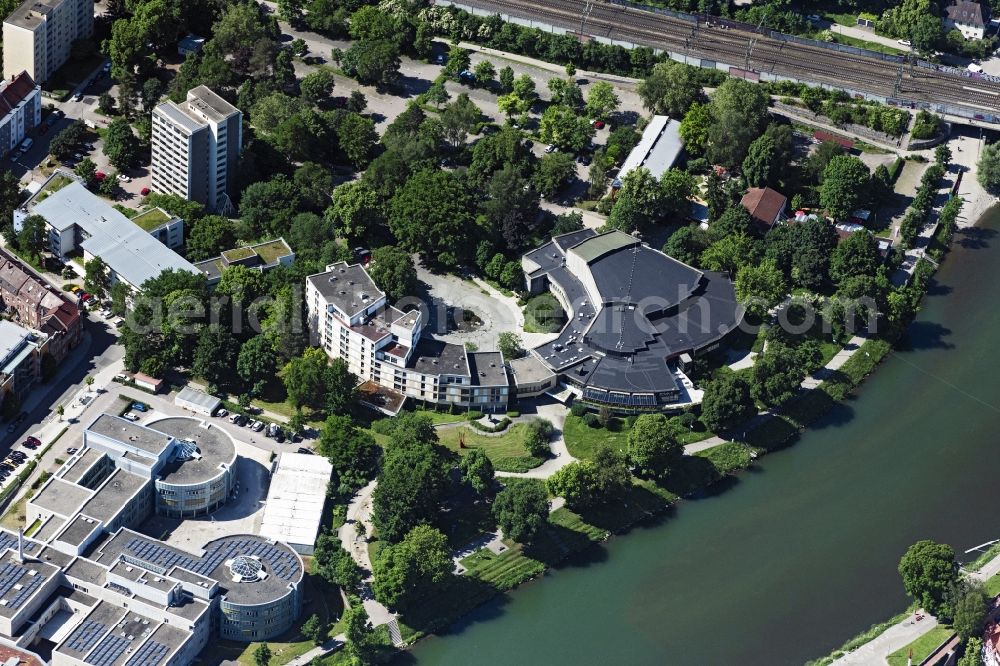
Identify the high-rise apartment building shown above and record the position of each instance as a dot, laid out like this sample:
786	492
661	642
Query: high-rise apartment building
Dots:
38	36
196	147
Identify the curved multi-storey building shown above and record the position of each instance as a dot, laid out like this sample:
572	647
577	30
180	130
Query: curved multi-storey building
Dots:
190	461
198	476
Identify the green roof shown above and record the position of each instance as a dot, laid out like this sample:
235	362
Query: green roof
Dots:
151	219
53	185
598	246
238	253
271	251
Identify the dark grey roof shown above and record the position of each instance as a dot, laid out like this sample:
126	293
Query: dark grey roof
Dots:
348	287
79	529
486	369
434	357
62	497
639	274
655	308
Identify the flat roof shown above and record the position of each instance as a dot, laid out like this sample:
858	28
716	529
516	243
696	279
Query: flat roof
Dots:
81	464
113	495
348	287
62	497
596	247
657	150
215	447
198	398
91	630
486	369
529	370
433	357
79	529
281	563
131	434
293	511
127	249
29	15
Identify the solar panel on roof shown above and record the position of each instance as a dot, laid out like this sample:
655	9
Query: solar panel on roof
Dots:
85	635
107	651
151	652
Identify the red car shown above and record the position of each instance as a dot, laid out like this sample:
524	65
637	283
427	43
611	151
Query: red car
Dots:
100	175
598	124
144	191
84	296
33	441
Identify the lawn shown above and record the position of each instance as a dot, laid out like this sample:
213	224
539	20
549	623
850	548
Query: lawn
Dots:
922	647
583	441
507	452
993	586
864	44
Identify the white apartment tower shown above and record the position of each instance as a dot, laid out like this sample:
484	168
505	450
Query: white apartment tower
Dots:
196	147
38	36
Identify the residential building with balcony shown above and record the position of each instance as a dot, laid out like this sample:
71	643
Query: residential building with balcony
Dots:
38	36
20	110
196	148
351	320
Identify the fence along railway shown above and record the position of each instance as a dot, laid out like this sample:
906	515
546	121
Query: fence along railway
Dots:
757	53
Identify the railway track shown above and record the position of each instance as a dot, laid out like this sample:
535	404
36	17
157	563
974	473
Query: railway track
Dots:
710	40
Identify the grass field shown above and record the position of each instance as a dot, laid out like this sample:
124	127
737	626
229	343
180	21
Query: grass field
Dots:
507	452
922	647
583	441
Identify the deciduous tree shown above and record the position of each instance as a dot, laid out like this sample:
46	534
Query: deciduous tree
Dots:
929	570
521	509
477	471
727	403
652	448
410	570
670	89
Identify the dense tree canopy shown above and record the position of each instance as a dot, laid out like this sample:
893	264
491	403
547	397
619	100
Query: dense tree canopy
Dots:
521	509
929	570
727	402
410	570
652	447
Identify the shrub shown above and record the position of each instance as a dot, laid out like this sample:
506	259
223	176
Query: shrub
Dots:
513	413
578	409
591	419
473	415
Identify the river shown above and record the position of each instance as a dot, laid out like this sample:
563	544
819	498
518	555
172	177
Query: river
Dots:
801	552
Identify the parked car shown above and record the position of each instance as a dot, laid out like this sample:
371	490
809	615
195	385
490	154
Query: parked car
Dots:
75	288
439	59
241	420
272	429
257	426
71	450
814	18
131	416
139	407
598	124
100	175
550	148
304	450
125	179
144	191
222	411
32	442
280	436
903	42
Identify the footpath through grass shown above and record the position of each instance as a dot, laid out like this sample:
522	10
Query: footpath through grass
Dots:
922	647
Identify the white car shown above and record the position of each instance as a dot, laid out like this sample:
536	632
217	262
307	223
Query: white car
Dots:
904	42
131	416
257	426
125	179
222	412
550	149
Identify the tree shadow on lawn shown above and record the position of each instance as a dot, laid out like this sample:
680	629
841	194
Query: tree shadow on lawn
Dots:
559	546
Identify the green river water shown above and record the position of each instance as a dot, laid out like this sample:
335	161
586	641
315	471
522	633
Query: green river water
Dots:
801	552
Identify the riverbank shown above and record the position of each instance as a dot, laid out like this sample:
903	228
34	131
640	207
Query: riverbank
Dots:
788	565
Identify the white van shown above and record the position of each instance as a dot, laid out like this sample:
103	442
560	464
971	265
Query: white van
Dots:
26	145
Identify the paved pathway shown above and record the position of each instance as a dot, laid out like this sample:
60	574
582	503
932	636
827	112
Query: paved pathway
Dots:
359	512
907	630
895	637
868	36
331	645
